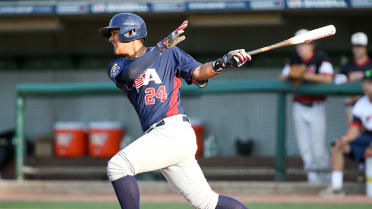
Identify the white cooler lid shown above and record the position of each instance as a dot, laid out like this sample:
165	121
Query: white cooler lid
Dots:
69	125
105	125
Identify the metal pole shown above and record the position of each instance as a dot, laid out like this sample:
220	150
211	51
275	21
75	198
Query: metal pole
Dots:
281	152
20	151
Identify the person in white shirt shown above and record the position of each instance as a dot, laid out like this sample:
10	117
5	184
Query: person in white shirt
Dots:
357	138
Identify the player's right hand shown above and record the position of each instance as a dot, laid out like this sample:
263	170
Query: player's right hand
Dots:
174	38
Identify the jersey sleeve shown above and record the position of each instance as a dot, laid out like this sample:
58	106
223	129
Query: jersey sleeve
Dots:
357	122
286	70
325	66
186	64
355	111
114	69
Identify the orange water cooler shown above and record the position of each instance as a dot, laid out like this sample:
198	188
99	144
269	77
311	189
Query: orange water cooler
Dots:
199	132
69	139
104	138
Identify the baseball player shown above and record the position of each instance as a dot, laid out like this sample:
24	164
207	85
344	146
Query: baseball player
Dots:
151	78
354	69
309	111
357	138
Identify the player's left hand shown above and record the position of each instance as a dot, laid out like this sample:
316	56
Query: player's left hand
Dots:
235	58
238	57
174	38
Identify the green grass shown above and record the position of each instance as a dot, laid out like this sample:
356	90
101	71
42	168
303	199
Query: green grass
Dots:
100	205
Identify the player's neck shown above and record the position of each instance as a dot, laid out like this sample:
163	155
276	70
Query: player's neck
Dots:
139	50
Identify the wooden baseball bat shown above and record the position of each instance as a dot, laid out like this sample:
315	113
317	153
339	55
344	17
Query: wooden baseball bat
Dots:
303	38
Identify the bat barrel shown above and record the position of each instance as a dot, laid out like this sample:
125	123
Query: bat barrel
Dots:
303	38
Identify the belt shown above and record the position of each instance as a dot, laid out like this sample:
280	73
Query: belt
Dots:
162	122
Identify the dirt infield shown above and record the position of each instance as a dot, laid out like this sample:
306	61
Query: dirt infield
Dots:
101	191
174	197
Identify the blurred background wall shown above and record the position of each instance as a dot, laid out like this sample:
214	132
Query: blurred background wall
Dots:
58	41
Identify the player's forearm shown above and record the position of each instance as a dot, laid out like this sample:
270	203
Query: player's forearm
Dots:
318	78
235	58
204	72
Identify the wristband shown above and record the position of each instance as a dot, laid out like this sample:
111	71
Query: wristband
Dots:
162	45
218	65
200	84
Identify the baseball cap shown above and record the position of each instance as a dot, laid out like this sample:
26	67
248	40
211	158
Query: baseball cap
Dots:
368	75
301	31
359	39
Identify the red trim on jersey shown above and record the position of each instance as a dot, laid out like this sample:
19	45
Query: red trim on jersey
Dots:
363	63
173	103
356	124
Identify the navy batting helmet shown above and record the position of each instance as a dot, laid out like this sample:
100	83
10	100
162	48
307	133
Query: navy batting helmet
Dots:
127	22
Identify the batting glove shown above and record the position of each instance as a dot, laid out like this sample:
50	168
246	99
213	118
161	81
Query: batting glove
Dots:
174	38
235	58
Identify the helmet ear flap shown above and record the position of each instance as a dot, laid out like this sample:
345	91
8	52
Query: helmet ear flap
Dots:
129	34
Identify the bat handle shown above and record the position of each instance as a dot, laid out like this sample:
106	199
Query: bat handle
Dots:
257	51
267	48
253	52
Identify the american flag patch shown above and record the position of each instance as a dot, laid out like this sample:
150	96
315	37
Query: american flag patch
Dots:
139	81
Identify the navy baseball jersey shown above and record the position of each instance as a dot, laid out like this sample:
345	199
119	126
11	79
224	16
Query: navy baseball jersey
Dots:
353	67
319	63
155	94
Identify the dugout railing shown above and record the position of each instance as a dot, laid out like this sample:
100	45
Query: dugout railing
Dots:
282	89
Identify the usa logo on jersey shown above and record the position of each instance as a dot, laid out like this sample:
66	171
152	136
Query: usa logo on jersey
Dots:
145	78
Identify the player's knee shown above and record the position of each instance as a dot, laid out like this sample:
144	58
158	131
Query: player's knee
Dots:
336	145
335	150
118	167
203	201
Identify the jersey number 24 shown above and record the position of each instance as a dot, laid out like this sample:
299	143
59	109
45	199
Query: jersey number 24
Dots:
160	94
